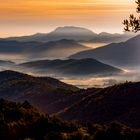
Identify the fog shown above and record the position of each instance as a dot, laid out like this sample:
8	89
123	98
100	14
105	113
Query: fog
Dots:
94	45
17	58
130	74
87	81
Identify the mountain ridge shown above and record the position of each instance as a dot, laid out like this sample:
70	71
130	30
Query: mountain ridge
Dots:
116	103
40	91
72	67
119	54
75	33
98	105
52	49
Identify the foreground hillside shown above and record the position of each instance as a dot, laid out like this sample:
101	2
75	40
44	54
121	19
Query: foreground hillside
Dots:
104	105
40	91
117	103
21	121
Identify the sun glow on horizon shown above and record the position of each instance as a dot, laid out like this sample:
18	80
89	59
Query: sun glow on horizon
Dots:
30	16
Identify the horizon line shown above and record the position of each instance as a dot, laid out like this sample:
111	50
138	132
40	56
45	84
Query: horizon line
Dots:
51	30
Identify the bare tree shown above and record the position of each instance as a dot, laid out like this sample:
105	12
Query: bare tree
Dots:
133	23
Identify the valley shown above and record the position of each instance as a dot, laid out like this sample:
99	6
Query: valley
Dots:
69	70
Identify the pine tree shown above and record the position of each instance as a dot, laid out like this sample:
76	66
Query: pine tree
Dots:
133	23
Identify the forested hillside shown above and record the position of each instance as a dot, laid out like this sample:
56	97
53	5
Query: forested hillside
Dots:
21	121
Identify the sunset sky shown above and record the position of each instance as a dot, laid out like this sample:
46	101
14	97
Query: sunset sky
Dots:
21	17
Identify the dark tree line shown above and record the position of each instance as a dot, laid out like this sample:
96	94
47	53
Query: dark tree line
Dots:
24	122
133	23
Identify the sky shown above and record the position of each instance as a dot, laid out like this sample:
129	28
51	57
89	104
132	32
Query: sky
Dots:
25	17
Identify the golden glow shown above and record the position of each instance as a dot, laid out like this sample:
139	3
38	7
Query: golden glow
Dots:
30	16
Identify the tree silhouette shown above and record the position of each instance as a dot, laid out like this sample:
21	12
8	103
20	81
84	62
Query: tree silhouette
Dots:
133	23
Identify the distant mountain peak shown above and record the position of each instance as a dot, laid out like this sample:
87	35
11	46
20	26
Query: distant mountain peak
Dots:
73	33
108	34
71	29
39	34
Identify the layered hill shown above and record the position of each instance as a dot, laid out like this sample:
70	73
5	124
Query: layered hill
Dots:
6	64
57	49
71	67
105	105
119	54
105	37
3	62
117	103
40	91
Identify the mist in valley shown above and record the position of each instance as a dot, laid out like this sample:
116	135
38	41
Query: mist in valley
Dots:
129	74
94	45
61	50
